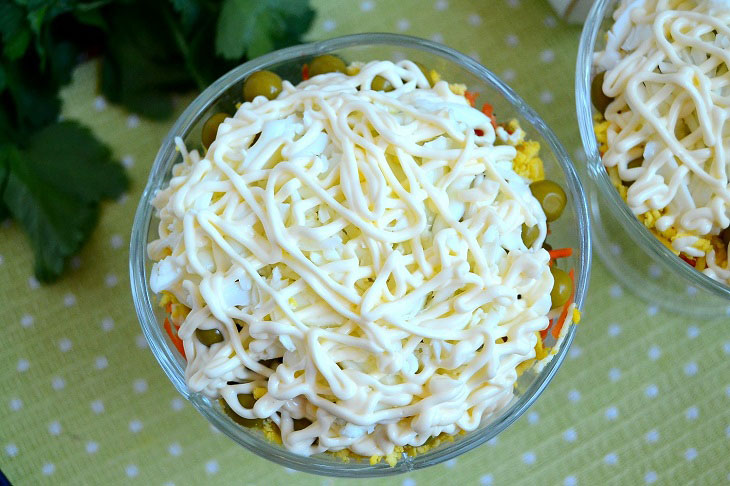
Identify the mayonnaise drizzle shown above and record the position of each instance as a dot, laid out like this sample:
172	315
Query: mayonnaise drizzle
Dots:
369	240
666	64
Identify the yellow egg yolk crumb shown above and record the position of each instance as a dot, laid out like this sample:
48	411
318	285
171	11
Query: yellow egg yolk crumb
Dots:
527	163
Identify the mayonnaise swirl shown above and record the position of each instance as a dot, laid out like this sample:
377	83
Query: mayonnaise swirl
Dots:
361	254
666	64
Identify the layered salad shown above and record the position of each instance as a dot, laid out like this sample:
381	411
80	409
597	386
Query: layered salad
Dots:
663	93
356	264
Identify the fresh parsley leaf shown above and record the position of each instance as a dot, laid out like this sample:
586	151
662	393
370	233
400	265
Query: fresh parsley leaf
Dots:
53	190
189	11
54	175
4	172
68	157
254	27
15	32
141	65
30	99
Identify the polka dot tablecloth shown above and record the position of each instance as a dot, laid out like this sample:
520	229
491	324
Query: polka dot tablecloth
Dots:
642	398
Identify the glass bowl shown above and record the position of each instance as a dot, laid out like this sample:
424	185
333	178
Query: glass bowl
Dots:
627	248
571	230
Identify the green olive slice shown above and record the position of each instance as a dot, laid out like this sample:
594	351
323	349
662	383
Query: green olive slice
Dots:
262	83
530	234
326	64
209	336
246	401
381	84
562	287
210	128
551	197
599	98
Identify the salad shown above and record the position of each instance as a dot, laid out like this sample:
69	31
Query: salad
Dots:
356	264
663	97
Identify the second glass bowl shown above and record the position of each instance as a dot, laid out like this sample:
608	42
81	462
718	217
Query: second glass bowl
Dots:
571	230
627	248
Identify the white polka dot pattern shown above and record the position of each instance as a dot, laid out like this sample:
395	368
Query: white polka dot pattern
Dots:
632	366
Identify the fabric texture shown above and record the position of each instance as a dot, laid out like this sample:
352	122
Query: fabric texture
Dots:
643	396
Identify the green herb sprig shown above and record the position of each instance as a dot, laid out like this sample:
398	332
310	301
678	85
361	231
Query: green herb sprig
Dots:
54	174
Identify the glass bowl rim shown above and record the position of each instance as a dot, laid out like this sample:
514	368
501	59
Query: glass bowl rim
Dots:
173	365
609	195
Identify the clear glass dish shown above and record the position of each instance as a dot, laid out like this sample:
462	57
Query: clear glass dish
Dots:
571	230
627	248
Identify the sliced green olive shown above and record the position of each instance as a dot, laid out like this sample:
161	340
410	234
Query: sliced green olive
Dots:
381	84
551	197
599	98
326	64
262	83
562	287
210	128
209	336
529	234
246	401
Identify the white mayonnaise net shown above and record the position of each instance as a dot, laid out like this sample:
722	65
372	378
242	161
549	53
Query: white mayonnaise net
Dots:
361	254
666	64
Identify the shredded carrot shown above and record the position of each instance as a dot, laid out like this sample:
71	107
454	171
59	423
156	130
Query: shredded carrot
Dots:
174	338
687	259
168	307
560	253
305	72
471	97
564	313
488	110
544	332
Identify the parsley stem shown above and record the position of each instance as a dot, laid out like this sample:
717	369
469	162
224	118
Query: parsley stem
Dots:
183	46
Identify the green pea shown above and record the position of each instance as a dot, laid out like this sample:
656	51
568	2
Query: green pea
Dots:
562	287
262	83
529	234
381	84
551	197
210	128
209	336
326	64
599	98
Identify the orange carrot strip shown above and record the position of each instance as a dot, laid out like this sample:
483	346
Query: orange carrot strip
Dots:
174	338
168	307
488	110
560	253
471	97
305	72
564	313
544	332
